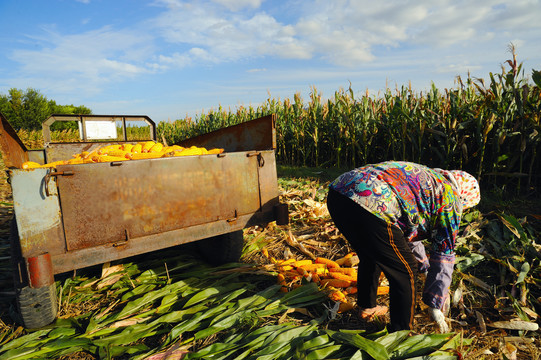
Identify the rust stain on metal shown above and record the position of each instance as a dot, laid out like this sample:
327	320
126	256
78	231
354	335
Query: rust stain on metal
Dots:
14	153
80	258
258	134
40	270
100	202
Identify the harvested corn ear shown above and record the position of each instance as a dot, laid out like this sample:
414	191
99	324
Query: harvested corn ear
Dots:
30	165
107	158
156	148
128	151
137	148
339	281
330	263
147	146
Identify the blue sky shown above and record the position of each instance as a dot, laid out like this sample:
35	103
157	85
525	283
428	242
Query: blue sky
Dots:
171	58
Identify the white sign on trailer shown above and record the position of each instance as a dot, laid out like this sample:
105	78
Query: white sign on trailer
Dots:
99	130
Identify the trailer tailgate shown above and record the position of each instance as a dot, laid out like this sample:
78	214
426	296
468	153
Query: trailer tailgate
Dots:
113	202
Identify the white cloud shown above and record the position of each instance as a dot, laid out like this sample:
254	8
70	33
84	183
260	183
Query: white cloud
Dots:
347	36
94	58
342	32
236	5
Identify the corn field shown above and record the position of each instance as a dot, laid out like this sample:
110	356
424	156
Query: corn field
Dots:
491	130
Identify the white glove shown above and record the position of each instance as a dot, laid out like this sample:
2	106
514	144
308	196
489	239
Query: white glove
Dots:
439	318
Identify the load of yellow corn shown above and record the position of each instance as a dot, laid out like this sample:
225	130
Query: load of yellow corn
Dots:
338	277
128	151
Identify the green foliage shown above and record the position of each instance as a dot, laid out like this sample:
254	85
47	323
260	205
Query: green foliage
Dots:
491	130
186	307
28	109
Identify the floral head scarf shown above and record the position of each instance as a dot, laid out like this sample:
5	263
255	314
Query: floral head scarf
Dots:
466	185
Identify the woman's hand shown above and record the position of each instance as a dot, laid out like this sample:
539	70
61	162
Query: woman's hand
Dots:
439	318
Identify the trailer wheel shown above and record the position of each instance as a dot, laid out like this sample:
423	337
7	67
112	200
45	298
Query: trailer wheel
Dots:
37	306
222	249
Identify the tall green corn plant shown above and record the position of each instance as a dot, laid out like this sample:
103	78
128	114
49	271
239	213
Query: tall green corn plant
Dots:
315	115
432	139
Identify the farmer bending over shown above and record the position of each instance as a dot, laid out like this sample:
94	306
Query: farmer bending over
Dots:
384	211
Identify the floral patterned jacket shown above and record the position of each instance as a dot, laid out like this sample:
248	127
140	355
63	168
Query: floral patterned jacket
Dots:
423	203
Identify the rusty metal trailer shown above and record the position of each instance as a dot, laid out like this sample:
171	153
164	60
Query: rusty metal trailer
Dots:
74	216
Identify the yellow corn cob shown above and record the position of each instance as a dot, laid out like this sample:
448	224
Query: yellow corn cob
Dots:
340	276
302	262
348	271
345	307
330	264
383	290
118	152
191	151
315	267
30	165
315	278
106	149
147	146
324	273
137	148
127	147
89	155
337	295
351	290
349	261
286	262
286	267
147	155
215	151
158	147
342	260
171	149
281	279
292	275
335	283
107	158
102	150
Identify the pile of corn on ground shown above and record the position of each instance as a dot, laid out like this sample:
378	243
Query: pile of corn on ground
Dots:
338	278
127	151
146	305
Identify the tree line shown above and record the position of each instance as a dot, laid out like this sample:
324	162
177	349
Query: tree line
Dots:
27	109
